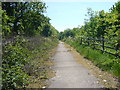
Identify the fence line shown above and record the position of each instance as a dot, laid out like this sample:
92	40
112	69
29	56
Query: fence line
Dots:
100	42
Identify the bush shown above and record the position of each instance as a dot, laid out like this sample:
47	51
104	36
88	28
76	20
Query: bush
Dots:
25	59
15	56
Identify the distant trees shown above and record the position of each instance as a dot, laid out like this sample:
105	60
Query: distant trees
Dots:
66	33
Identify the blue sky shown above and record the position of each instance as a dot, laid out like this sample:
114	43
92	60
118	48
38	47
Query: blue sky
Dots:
70	14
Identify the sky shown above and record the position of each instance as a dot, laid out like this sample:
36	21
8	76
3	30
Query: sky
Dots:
66	14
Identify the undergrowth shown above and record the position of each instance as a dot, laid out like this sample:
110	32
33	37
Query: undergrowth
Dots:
26	61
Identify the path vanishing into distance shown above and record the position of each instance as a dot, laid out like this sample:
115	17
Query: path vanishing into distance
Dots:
70	74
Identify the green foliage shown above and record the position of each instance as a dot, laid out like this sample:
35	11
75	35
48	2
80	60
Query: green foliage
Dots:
25	59
46	30
15	56
98	25
5	26
26	19
67	33
23	22
104	61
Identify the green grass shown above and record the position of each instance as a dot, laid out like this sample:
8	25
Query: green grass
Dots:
104	61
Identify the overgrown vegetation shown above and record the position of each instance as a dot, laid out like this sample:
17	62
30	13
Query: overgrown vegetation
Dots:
39	66
100	25
15	56
28	38
25	61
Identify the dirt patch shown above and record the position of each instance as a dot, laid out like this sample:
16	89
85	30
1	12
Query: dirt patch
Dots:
105	78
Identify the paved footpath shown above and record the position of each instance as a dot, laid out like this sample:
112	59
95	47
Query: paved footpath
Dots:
70	74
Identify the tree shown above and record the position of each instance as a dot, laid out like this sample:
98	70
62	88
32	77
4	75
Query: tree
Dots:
25	17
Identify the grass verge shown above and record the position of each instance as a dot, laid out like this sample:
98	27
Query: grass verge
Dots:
104	61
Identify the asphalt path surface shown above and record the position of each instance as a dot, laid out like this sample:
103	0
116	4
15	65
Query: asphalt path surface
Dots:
70	74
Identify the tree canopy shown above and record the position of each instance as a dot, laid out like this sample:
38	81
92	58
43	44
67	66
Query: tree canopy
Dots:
25	18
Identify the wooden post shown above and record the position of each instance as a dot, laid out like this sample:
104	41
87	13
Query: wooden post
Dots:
117	47
116	52
103	44
93	43
88	41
